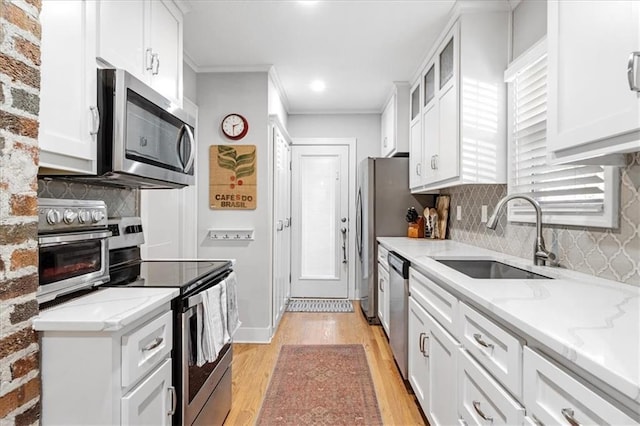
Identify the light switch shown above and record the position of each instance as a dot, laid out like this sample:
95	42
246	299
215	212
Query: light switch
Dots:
483	218
458	213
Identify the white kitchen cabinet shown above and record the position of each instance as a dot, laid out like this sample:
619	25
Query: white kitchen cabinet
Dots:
394	129
553	396
143	37
149	403
440	304
418	365
415	137
120	375
463	108
482	400
496	350
68	106
383	297
593	111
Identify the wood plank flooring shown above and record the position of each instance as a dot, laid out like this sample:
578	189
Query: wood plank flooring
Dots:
253	364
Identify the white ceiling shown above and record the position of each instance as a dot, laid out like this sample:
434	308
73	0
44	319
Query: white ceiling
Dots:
358	47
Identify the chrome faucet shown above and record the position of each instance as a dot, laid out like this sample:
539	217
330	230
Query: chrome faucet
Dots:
540	254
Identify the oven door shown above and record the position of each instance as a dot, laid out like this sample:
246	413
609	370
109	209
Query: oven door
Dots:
69	262
208	385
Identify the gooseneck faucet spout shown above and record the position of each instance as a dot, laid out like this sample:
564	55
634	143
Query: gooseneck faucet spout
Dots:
540	254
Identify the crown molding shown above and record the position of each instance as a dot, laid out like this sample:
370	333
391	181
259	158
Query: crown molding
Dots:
273	74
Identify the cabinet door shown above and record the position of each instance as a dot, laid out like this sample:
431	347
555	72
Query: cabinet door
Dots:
447	158
554	397
150	403
589	96
165	41
383	297
442	350
388	128
418	369
430	142
68	110
121	34
416	167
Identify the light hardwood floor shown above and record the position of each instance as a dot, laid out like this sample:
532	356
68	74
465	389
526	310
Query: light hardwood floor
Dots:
253	364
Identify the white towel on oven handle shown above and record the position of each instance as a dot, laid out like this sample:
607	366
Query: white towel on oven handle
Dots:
214	324
233	318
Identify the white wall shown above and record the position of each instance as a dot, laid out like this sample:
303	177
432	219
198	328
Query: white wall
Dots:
529	25
189	83
276	107
218	95
364	127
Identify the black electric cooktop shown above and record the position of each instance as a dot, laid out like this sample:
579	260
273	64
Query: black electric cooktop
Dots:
186	275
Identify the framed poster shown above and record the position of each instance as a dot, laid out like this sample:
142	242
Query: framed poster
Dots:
232	177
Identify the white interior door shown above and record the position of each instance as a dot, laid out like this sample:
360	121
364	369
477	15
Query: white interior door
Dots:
320	192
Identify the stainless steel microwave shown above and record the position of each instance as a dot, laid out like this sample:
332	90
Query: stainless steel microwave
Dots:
144	141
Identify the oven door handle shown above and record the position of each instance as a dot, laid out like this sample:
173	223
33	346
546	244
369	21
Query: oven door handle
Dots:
70	238
194	300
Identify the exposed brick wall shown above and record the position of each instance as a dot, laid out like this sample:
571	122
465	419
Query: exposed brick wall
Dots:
19	106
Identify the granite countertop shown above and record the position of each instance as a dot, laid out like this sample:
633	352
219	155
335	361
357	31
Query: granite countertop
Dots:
593	323
108	309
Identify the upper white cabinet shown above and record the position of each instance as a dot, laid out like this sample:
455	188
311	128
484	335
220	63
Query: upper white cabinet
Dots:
68	110
593	80
459	134
395	122
143	37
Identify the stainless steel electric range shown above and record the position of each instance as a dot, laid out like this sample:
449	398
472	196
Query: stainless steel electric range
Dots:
204	392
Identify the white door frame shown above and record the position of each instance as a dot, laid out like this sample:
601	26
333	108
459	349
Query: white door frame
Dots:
353	164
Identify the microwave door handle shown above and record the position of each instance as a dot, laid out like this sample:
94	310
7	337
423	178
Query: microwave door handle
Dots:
186	129
192	151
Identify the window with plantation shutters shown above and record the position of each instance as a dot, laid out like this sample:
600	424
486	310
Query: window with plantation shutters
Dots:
568	194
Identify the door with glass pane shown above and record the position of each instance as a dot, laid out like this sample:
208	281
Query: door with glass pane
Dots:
320	179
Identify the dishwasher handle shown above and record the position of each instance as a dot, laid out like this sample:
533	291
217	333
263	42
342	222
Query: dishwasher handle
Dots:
399	264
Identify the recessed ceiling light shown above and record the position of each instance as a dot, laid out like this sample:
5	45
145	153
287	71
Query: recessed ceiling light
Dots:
318	86
308	2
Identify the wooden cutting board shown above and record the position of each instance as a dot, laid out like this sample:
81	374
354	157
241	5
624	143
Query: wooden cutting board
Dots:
436	218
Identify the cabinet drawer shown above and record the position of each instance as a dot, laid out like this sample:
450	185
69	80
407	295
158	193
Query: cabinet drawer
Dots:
152	401
481	399
144	348
383	254
439	303
552	396
495	349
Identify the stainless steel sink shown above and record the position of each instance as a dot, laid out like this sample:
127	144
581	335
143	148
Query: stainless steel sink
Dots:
490	269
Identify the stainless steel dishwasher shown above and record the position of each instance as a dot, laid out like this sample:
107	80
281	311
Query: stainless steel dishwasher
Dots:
398	309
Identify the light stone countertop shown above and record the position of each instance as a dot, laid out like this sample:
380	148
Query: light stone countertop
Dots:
108	309
593	323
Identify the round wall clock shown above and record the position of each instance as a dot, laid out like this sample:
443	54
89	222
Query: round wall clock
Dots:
234	126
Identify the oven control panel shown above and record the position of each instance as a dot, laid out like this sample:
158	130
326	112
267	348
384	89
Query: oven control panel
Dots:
56	215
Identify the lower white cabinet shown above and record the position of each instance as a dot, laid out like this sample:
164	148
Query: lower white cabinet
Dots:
433	356
106	377
149	403
481	399
383	297
552	396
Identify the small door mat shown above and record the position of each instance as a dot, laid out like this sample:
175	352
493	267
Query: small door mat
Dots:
320	305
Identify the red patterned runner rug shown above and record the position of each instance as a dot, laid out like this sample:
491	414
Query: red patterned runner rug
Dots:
321	385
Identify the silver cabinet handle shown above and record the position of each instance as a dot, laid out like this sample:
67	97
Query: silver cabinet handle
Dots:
155	64
568	414
631	71
476	406
148	59
95	120
385	142
154	344
174	400
279	225
435	162
478	338
423	337
344	244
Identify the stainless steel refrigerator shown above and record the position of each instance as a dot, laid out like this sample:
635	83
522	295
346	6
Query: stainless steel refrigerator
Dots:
382	201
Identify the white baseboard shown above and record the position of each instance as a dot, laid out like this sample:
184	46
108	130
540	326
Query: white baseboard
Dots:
252	335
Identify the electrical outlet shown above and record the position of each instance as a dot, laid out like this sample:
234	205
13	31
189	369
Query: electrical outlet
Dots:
484	216
458	213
